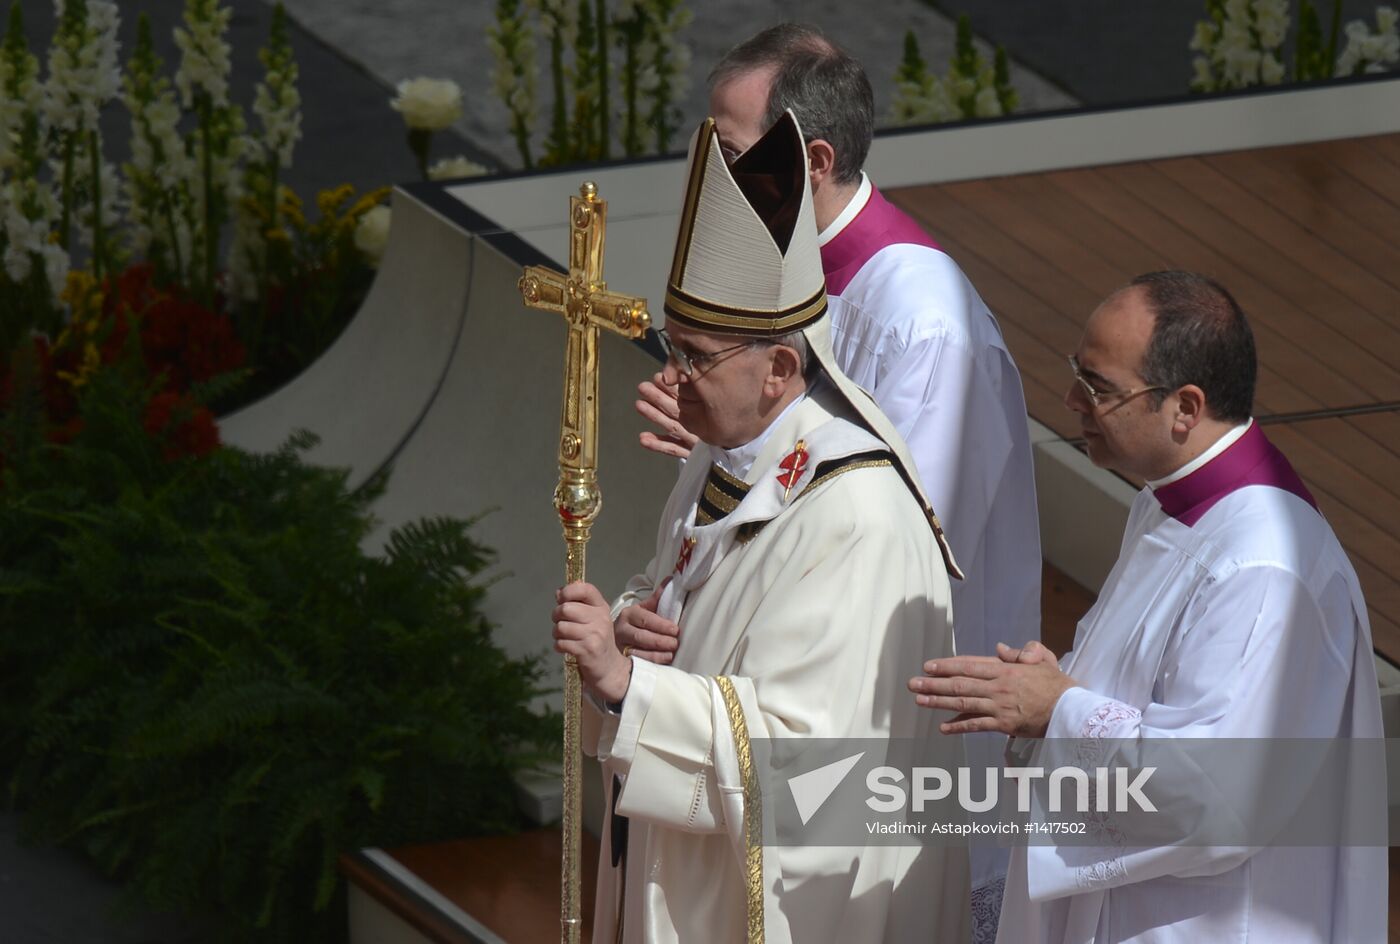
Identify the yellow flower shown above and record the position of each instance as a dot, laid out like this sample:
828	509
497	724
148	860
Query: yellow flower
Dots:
92	359
367	202
328	201
83	295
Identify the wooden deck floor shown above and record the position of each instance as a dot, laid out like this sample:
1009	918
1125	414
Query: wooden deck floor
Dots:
1307	237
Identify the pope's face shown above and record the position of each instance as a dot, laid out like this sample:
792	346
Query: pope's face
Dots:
1123	433
722	399
738	107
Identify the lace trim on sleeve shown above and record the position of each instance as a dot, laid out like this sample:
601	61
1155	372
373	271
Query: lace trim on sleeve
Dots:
986	910
1090	755
1106	717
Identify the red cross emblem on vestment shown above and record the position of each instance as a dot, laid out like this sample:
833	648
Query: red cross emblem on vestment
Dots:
687	548
793	465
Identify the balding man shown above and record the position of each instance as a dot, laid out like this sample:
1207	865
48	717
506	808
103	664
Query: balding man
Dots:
1231	613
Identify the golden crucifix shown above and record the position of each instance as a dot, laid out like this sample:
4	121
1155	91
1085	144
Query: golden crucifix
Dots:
582	297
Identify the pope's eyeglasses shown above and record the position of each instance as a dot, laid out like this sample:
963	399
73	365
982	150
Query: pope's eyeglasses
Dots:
688	363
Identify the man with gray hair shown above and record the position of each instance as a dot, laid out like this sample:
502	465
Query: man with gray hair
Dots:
909	327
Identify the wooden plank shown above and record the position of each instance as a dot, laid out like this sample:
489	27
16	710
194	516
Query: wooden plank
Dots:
1379	588
1063	603
1385	145
1254	280
1383	428
1305	168
508	883
1117	245
1317	209
1366	166
1035	283
1365	458
1385	638
1248	268
1344	298
1054	242
1280	361
1327	472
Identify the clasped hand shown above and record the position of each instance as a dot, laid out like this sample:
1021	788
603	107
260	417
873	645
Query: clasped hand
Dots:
1013	692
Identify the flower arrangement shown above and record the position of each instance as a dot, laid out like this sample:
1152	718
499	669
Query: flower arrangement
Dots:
206	685
584	123
196	171
972	87
1240	44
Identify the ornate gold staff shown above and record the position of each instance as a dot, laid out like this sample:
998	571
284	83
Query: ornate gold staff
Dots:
586	304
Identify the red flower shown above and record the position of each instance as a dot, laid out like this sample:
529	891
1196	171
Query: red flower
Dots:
186	428
180	338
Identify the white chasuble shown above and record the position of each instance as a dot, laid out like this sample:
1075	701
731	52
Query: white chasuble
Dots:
1232	612
805	598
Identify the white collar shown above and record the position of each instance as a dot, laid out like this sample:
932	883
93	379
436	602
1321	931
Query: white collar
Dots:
1219	446
739	460
853	207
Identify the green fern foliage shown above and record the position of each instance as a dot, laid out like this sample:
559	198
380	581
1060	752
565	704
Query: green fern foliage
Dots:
208	687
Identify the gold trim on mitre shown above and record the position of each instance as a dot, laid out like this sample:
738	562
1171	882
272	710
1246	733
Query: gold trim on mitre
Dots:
699	158
704	315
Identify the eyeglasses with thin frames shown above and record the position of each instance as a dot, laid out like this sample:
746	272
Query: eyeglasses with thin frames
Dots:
1100	397
688	363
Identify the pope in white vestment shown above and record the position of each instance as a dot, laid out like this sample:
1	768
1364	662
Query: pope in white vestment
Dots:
807	574
805	629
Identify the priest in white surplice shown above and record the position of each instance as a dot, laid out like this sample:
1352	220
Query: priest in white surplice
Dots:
806	571
1232	612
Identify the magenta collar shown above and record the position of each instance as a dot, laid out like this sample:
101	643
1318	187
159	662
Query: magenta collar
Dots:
878	224
1251	460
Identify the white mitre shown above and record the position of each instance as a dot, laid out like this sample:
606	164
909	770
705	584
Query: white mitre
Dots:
747	264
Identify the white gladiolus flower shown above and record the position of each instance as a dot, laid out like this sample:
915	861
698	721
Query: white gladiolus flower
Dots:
1271	70
1203	78
1242	67
428	104
56	266
1204	36
372	234
281	121
204	60
16	263
458	166
249	244
1271	21
1368	52
83	70
987	105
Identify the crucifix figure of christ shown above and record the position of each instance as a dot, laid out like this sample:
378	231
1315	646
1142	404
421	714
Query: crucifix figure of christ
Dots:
582	297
